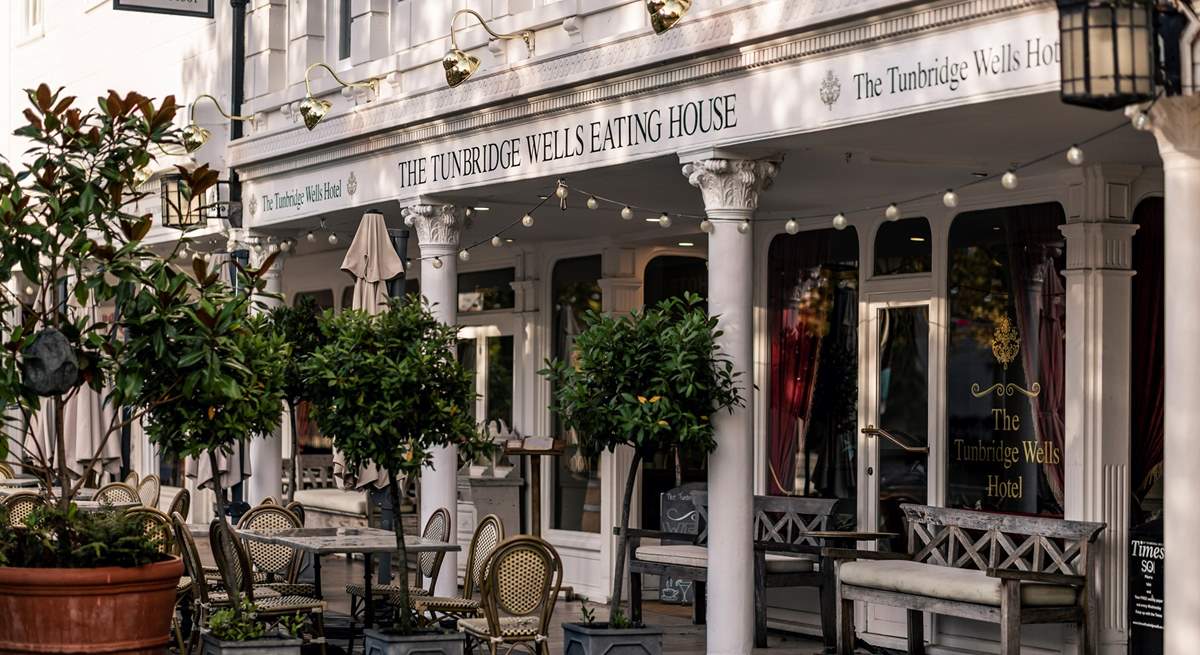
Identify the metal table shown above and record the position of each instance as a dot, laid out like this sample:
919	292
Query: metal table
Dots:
330	541
20	483
97	506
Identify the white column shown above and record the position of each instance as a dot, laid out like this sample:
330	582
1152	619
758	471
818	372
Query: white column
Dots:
438	228
1096	462
730	188
1177	127
266	452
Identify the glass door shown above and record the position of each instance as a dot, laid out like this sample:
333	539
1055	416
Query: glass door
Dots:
897	429
488	352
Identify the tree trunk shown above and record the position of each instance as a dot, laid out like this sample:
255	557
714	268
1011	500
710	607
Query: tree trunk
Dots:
216	487
614	603
295	452
60	443
405	625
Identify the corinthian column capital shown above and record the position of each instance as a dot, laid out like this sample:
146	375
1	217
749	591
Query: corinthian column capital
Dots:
436	225
731	184
1176	124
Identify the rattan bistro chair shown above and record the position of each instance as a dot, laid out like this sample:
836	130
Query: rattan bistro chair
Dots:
6	471
148	490
20	507
235	571
274	566
157	527
117	493
131	479
429	565
181	504
488	535
297	508
521	582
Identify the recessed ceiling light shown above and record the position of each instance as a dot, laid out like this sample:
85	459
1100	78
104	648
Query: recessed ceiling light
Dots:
686	244
980	174
543	197
508	241
482	209
917	239
652	220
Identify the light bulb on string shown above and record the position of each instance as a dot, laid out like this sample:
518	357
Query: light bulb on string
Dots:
467	212
257	249
561	190
950	199
1141	121
310	237
29	291
333	238
791	226
527	220
664	220
464	255
1075	155
840	222
592	203
1009	180
892	213
286	245
744	227
497	241
436	263
706	226
627	213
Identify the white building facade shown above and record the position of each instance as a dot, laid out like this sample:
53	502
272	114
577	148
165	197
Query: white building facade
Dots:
765	119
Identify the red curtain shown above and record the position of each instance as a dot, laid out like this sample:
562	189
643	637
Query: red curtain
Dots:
1146	406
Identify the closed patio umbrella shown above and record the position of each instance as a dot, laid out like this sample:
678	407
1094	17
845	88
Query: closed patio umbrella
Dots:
86	420
372	261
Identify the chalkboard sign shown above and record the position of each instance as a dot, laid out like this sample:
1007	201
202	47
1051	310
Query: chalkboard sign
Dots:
679	515
1146	559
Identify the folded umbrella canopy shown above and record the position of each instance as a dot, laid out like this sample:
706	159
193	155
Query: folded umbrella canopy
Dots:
372	261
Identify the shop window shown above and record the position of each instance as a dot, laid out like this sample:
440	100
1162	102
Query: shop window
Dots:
344	29
1146	371
489	359
812	318
575	478
903	247
482	291
1005	377
670	276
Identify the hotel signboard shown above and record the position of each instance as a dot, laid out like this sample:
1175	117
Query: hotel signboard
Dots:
1009	57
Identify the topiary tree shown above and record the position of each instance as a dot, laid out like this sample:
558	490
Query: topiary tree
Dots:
388	390
201	362
650	380
300	328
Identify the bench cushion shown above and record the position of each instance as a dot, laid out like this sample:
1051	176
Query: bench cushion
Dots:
964	585
697	556
334	501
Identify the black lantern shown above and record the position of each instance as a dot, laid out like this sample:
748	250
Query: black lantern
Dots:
1109	54
182	211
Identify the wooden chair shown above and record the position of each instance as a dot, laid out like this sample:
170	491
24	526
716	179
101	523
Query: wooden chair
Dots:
20	507
429	565
117	493
234	564
489	533
521	582
181	504
297	508
148	490
279	565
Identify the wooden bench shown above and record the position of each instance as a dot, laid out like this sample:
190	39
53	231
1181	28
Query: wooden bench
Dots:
784	556
1001	568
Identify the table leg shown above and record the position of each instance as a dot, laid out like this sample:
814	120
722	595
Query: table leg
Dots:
316	557
368	593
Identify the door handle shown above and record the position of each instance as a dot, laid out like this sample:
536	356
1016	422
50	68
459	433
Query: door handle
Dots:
901	442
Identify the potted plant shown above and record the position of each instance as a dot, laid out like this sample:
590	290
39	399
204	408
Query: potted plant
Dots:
650	380
388	391
301	330
238	631
72	241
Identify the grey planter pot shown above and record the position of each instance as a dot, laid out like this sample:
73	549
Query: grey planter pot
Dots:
210	645
598	639
439	643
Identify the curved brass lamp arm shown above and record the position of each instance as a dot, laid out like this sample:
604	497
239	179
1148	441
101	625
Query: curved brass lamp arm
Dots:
217	103
370	83
524	35
872	431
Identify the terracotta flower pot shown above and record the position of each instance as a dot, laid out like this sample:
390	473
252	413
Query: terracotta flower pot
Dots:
104	610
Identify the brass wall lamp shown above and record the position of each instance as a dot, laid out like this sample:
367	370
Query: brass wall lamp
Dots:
458	64
312	109
193	135
665	13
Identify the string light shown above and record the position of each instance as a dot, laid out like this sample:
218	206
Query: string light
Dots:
1075	155
592	203
464	255
333	238
310	237
706	226
791	226
950	199
497	241
892	213
527	220
1009	180
664	220
437	262
1141	121
286	245
744	227
627	213
561	190
840	222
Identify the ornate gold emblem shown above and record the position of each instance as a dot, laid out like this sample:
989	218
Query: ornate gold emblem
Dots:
1006	342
